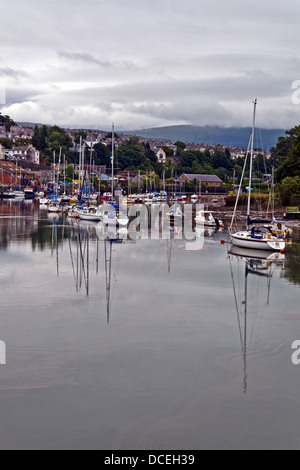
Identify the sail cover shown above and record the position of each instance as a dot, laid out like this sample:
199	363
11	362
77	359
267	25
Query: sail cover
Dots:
257	221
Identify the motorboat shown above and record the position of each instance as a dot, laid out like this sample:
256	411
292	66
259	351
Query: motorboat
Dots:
207	219
91	214
29	193
9	194
19	194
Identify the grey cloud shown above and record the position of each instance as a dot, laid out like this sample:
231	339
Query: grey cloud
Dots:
152	62
21	94
12	73
86	58
83	57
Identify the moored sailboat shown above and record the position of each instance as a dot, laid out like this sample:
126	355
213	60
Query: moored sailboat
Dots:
255	236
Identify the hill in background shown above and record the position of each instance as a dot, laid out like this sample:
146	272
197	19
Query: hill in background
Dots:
211	135
233	136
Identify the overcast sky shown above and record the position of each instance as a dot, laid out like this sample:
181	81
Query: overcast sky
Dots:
150	63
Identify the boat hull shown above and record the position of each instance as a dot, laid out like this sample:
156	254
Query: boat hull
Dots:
89	217
260	255
205	223
255	244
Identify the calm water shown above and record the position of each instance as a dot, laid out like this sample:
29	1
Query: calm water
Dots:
143	345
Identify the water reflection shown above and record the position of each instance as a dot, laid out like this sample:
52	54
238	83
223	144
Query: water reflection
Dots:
255	267
21	221
18	221
190	333
292	265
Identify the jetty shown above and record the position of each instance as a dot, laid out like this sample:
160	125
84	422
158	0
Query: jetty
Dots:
292	213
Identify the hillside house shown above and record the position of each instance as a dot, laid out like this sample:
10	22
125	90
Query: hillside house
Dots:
160	155
27	153
208	180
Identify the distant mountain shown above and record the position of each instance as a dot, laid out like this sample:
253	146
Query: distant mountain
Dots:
233	136
30	124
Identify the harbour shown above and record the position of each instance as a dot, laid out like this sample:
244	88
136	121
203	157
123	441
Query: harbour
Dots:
143	344
149	228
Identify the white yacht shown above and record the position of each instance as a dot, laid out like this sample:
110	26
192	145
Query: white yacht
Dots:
91	214
55	207
254	236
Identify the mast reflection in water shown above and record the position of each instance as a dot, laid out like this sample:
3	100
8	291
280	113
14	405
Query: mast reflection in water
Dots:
184	327
260	265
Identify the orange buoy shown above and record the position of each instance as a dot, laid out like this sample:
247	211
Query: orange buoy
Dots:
222	242
282	252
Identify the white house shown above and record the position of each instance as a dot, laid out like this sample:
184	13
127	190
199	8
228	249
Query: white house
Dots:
28	153
161	155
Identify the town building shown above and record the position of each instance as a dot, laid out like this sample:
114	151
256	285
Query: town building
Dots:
160	155
27	153
208	180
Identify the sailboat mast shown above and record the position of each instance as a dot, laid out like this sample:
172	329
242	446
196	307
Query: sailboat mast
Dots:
273	192
58	175
80	157
251	163
54	171
112	160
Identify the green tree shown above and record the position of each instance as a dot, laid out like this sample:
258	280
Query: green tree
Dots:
40	138
79	134
102	154
109	136
7	122
238	172
169	152
289	187
7	143
286	154
59	139
222	174
180	147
